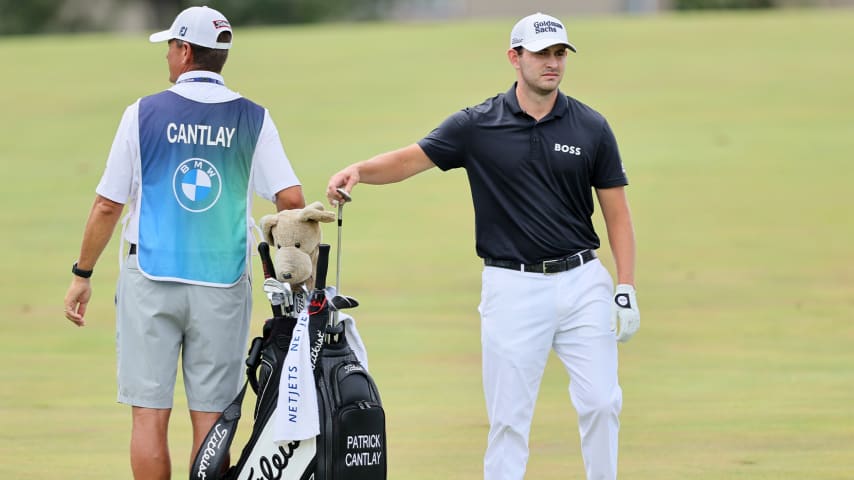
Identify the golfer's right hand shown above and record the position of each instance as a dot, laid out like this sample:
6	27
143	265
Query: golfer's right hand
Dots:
76	300
346	179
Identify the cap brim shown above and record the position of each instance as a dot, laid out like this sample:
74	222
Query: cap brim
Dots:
538	45
163	36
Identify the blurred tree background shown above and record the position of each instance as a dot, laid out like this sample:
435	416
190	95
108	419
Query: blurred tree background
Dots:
53	16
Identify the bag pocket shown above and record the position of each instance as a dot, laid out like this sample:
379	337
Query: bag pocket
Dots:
358	428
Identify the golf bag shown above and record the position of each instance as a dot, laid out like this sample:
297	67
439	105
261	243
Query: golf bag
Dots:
351	444
352	440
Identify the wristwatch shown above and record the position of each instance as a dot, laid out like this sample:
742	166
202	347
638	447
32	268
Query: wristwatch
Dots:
80	273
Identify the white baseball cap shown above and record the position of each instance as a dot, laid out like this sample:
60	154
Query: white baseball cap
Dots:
197	25
538	31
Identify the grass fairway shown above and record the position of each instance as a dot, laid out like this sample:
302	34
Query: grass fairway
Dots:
737	131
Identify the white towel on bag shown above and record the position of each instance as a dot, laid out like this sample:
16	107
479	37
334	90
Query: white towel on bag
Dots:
297	416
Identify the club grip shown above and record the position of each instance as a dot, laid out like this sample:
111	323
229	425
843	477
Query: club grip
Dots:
269	271
322	266
266	261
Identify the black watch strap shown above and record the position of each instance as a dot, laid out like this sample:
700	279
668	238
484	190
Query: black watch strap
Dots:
79	272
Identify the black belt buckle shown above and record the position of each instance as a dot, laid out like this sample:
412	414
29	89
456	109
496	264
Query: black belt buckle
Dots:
554	266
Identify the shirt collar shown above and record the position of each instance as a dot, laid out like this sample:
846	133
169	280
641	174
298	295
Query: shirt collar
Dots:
558	110
200	74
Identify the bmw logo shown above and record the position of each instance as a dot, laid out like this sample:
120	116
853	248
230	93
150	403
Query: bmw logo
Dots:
196	185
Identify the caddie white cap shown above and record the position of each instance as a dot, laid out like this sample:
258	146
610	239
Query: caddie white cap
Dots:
538	31
197	25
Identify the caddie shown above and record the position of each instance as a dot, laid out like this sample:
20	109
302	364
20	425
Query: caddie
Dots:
187	162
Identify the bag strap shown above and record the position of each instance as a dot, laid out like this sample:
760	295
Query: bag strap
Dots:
208	464
252	362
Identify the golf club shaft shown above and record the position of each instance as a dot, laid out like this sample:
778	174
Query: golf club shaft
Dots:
338	255
345	198
338	259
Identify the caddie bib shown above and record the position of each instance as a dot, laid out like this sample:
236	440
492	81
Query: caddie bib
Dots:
196	160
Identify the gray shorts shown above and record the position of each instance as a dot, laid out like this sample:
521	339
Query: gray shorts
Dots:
156	321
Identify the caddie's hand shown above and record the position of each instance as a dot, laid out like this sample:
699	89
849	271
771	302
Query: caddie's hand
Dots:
626	320
76	300
346	179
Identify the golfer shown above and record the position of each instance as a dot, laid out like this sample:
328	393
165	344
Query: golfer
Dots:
533	156
187	161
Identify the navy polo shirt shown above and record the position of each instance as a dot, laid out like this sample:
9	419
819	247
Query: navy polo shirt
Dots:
531	182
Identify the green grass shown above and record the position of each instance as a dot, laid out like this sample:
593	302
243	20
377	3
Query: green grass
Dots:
736	130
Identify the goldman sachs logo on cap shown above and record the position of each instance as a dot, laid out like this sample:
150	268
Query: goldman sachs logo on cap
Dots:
547	26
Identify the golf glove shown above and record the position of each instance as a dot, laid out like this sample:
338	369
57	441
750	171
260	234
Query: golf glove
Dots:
626	320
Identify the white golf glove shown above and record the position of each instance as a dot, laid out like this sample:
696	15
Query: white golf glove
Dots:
626	320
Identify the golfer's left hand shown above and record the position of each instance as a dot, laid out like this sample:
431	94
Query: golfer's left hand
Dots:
626	321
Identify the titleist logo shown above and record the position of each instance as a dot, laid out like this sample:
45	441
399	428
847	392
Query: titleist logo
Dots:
315	349
211	449
271	468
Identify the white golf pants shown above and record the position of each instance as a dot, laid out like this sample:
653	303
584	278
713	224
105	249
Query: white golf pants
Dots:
524	316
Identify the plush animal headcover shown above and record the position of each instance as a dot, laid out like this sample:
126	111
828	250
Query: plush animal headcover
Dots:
294	237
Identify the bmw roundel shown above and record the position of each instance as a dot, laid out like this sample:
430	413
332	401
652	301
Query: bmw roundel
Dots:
196	185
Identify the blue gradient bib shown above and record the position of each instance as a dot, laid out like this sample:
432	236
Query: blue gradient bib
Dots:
196	160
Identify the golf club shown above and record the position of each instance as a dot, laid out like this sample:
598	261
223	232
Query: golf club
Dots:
281	297
346	198
341	302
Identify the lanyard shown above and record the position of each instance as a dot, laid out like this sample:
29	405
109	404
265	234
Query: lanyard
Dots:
202	79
